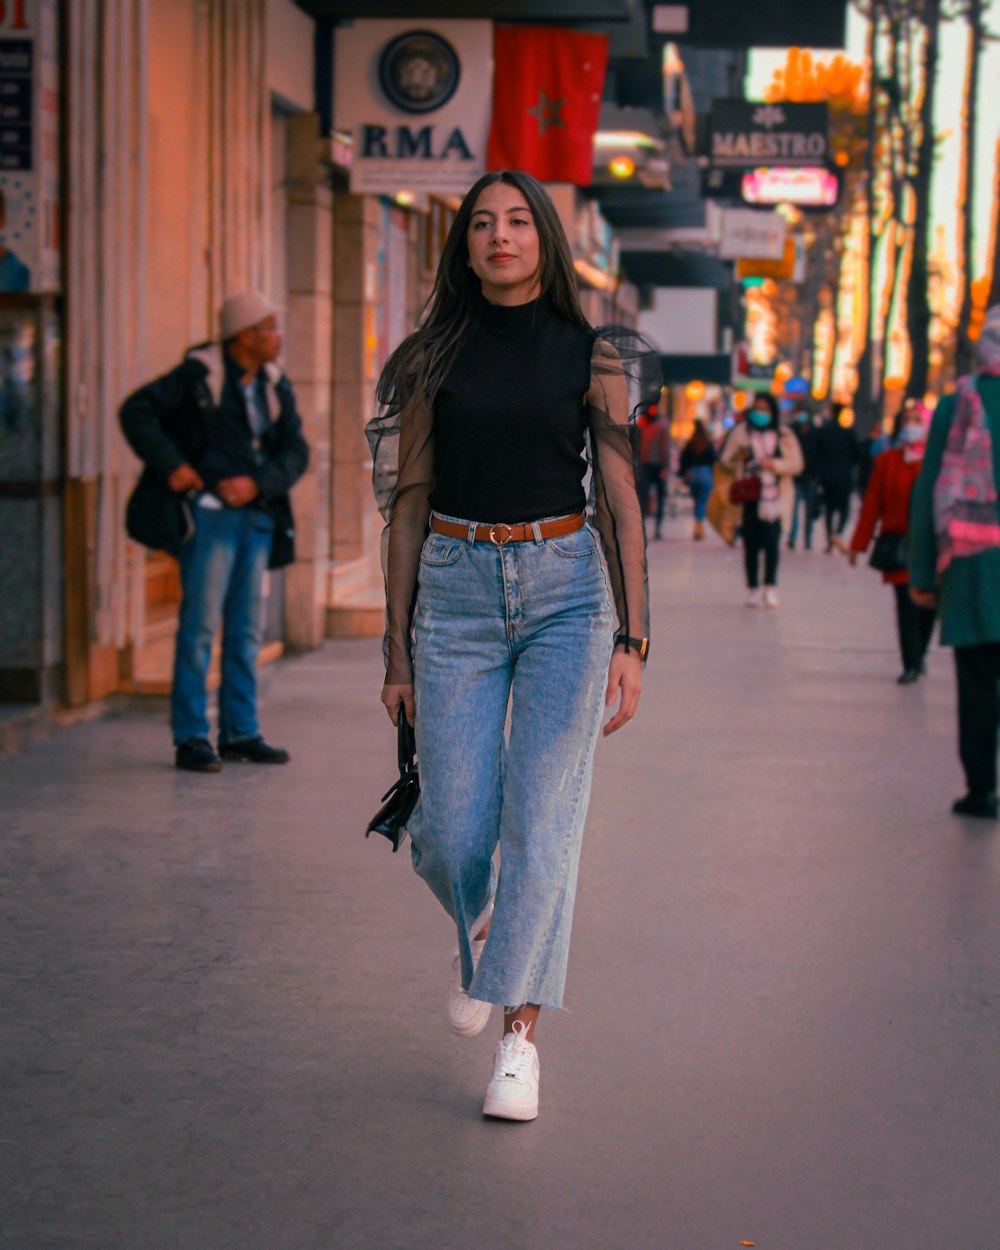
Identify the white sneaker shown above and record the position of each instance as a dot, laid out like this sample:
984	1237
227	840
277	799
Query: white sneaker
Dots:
753	598
466	1016
513	1092
770	596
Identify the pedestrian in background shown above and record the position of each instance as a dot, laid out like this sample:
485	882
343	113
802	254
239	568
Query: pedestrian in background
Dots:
836	456
954	558
654	458
760	450
224	429
806	492
886	507
495	577
697	460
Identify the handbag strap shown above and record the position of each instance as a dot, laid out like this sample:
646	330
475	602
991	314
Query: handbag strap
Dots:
406	745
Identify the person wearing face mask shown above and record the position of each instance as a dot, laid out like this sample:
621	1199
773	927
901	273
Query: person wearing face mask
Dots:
886	507
760	449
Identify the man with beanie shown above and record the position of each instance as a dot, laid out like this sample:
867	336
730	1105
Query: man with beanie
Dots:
222	429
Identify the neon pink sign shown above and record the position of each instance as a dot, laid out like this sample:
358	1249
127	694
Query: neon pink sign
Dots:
811	186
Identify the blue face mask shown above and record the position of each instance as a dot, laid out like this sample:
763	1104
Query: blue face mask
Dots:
759	420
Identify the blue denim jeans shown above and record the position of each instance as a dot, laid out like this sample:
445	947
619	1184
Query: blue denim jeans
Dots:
529	623
700	481
222	576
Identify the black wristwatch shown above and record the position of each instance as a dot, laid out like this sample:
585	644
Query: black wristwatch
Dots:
639	645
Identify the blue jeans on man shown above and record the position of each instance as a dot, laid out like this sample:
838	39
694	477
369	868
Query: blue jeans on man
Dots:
222	575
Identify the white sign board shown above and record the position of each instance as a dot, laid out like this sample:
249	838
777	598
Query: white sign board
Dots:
744	232
29	147
416	97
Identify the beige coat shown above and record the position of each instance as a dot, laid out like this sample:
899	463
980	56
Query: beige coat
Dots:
787	465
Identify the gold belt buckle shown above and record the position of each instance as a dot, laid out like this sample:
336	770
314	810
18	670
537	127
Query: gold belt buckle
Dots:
495	538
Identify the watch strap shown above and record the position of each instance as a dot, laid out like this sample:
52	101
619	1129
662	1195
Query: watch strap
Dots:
639	645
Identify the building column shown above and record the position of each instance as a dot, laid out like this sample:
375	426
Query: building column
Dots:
309	352
356	595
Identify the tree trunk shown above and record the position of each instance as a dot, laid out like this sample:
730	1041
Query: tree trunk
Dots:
963	349
863	397
918	309
994	296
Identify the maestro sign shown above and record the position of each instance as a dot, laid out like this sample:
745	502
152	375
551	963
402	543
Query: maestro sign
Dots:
744	134
416	101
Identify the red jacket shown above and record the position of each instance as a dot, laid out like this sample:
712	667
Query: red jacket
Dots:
887	504
653	448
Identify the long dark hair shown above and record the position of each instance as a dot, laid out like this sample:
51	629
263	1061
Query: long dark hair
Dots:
699	439
421	362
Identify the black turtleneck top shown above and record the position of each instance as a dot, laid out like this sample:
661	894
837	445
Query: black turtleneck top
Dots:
510	418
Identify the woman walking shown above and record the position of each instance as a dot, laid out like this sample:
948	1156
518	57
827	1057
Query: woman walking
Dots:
887	506
697	460
955	553
760	450
496	593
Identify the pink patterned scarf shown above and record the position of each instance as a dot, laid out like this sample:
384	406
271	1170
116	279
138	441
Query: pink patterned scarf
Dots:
965	493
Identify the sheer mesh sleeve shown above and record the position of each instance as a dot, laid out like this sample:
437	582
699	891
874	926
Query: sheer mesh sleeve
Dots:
402	447
625	377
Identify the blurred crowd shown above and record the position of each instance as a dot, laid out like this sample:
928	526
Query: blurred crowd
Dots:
921	489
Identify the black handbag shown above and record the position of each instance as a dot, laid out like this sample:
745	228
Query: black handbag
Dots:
157	516
400	799
889	553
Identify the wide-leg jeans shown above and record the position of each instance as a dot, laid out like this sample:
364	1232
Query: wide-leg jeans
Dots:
222	577
527	623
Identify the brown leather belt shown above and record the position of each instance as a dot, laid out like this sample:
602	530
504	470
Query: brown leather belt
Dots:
501	534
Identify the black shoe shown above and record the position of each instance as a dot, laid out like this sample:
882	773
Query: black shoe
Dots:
973	804
908	677
253	751
922	668
197	756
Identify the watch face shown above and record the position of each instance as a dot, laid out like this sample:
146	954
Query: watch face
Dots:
419	71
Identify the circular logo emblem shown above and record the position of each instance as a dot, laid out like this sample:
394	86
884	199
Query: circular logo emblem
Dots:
419	71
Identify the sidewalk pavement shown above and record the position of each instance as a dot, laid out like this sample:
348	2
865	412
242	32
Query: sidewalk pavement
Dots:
222	1023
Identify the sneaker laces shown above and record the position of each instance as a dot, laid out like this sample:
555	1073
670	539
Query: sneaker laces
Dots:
514	1056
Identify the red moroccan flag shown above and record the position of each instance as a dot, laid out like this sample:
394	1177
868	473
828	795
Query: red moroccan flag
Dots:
547	87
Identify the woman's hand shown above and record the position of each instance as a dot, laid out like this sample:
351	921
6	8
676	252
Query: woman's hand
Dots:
624	676
924	598
393	697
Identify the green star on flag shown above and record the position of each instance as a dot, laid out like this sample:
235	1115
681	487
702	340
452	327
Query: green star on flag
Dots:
547	112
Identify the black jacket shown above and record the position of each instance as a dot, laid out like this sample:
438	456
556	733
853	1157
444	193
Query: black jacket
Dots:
178	419
835	451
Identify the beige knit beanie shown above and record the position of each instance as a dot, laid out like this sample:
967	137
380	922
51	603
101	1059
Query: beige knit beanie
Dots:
242	311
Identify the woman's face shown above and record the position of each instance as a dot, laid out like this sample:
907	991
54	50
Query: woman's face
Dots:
760	416
503	244
913	417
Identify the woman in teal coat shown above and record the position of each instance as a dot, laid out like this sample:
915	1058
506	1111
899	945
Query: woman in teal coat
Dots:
954	558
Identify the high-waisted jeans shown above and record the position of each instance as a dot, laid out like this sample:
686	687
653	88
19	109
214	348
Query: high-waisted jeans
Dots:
528	623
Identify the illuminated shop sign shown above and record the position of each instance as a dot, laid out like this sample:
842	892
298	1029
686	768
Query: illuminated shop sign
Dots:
747	134
808	186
